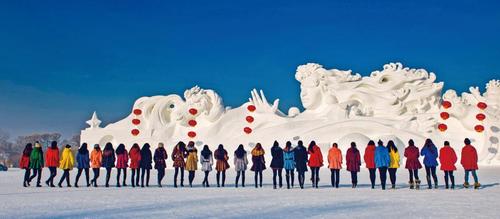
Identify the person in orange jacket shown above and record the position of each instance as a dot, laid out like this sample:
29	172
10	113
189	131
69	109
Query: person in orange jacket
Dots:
335	164
448	158
369	158
52	162
469	162
315	162
96	162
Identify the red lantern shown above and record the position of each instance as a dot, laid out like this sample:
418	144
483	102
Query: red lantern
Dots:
479	128
251	108
192	123
135	132
482	105
249	119
137	112
444	115
192	134
136	121
446	104
442	127
247	130
193	111
480	117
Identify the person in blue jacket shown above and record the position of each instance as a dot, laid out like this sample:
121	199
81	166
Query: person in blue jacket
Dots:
430	153
83	160
289	163
382	161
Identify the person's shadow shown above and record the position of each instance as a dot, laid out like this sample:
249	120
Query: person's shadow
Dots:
489	185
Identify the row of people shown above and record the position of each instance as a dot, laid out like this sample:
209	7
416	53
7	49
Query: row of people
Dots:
139	160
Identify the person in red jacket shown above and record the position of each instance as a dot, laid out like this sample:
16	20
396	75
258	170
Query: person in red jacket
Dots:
121	164
448	158
24	163
469	162
52	162
353	160
135	163
369	158
413	164
315	162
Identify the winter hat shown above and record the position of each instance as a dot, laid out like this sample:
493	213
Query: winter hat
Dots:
96	145
68	146
160	145
38	145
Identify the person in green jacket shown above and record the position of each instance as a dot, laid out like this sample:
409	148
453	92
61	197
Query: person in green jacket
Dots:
36	163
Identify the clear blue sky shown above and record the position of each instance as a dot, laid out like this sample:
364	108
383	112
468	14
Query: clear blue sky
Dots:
61	60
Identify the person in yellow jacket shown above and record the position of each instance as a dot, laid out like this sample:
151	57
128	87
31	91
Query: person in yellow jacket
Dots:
191	161
66	163
394	164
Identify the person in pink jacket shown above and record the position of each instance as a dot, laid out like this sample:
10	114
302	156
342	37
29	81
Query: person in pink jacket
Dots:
121	164
335	164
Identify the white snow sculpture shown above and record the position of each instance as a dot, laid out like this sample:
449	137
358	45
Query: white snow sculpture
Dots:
396	103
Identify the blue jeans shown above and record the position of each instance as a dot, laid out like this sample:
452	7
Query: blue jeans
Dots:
473	175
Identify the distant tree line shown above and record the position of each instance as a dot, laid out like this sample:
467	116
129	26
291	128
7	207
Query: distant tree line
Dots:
11	150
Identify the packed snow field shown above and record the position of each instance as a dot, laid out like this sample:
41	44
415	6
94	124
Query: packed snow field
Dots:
249	202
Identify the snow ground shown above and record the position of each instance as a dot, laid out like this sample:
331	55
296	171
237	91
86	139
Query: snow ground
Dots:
249	202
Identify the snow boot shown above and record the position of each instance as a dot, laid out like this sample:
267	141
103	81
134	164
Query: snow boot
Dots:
466	185
477	185
412	185
417	184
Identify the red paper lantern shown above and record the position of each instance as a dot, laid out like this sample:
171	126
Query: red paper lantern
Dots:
442	127
135	132
482	105
444	115
479	128
251	108
136	121
249	119
446	104
480	117
192	123
192	134
247	130
193	111
137	112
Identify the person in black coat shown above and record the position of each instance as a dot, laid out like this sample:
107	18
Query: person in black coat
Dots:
277	163
301	162
146	159
160	157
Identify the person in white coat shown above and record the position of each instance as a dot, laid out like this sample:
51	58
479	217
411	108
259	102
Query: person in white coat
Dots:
240	164
206	161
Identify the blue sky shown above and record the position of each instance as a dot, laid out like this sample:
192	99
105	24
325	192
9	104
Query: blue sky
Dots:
61	60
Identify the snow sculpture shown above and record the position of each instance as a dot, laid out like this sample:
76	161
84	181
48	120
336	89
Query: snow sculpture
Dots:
396	103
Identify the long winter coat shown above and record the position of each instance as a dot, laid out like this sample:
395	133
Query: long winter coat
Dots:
36	158
159	157
469	158
221	158
178	156
394	156
382	158
315	157
108	159
146	158
122	160
24	162
240	164
192	159
96	158
258	161
447	158
52	157
430	155
334	158
83	160
135	158
412	154
277	158
289	159
369	157
206	163
353	160
67	161
300	158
